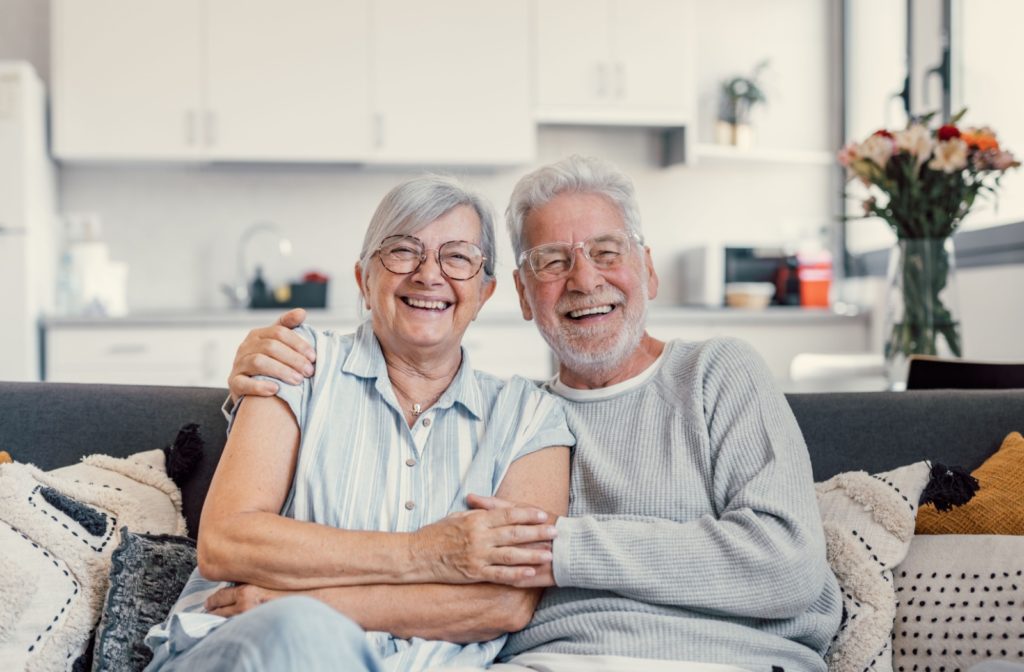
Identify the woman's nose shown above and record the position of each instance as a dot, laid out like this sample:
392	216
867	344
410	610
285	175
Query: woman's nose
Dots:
429	270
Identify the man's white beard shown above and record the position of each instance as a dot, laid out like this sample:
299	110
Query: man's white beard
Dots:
597	363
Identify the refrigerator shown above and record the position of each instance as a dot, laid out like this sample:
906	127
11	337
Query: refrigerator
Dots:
28	221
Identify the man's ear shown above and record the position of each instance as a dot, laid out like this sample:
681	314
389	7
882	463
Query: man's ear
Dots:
361	284
652	275
524	305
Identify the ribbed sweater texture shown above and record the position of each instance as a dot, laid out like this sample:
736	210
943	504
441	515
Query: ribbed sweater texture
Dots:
693	532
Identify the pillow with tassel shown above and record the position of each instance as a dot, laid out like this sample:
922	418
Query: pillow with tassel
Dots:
869	522
58	530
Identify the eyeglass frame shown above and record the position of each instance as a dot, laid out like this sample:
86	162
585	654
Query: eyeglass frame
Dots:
631	237
437	256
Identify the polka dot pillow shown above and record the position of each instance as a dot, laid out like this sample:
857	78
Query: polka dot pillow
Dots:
960	600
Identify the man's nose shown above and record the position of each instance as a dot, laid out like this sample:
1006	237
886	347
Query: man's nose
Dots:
584	276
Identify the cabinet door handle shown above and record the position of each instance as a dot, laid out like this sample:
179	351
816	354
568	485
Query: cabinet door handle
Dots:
127	349
210	128
620	80
601	80
190	127
378	130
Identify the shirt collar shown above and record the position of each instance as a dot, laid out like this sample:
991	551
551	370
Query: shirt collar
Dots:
366	360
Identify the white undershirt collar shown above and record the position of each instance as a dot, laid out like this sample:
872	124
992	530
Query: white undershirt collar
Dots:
576	394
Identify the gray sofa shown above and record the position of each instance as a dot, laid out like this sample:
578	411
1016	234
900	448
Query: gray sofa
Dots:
53	425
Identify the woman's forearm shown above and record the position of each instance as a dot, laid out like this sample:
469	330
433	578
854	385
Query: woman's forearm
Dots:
462	614
285	554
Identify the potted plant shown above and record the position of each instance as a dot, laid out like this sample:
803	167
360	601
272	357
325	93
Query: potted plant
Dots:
738	97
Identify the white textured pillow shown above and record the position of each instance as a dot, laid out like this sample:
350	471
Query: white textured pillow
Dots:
869	523
960	601
58	530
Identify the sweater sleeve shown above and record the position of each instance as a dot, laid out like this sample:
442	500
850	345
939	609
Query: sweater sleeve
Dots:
761	555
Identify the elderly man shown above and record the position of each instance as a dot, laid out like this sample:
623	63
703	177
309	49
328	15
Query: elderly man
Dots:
693	539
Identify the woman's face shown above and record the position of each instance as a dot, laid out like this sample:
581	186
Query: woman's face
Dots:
426	312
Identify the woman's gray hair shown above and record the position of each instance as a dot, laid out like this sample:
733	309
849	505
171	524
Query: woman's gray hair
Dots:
575	174
415	204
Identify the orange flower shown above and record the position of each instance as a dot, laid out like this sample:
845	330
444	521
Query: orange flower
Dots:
981	139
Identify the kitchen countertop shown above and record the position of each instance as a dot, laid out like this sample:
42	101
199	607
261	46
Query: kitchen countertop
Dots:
656	315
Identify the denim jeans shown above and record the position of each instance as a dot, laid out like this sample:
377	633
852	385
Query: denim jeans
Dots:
291	633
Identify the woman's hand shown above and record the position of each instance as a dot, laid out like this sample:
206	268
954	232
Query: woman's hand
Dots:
234	600
510	546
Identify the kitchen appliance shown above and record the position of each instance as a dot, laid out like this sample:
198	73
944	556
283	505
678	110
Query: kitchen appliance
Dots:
706	270
27	220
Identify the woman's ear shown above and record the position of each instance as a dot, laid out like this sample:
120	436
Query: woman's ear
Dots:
361	283
486	292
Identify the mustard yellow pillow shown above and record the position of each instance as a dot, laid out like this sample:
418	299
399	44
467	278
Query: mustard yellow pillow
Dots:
997	506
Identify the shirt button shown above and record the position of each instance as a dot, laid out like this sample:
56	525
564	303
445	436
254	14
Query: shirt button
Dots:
410	505
426	422
410	462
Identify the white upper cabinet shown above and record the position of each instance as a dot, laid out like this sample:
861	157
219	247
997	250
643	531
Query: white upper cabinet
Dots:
234	80
604	62
451	82
287	80
126	78
375	81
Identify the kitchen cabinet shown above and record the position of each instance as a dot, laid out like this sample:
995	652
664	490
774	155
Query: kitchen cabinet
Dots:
451	82
211	79
604	62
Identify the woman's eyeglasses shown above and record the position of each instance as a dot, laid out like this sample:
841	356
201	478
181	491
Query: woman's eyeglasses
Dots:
458	259
555	261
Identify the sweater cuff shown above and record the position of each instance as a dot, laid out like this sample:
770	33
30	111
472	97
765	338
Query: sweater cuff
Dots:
560	549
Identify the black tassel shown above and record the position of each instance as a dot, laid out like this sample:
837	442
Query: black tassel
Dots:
184	454
948	487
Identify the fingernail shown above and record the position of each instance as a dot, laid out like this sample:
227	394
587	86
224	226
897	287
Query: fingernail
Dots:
529	571
541	516
311	355
552	531
308	369
547	556
295	379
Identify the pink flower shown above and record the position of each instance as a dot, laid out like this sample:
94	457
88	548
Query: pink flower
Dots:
847	154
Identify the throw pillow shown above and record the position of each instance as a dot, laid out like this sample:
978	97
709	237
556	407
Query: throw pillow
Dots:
997	508
961	601
147	572
58	530
868	522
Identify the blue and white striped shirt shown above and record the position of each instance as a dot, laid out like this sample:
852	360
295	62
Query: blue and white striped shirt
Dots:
361	467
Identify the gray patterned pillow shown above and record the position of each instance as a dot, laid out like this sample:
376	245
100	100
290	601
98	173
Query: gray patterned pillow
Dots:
147	573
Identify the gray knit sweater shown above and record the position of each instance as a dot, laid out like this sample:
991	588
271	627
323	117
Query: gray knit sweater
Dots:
693	531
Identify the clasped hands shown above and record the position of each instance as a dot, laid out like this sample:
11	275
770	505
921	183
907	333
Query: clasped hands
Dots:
496	541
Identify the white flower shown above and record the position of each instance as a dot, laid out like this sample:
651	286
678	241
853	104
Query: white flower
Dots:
916	141
950	156
877	149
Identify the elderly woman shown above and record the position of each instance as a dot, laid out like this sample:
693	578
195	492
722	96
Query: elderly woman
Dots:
350	487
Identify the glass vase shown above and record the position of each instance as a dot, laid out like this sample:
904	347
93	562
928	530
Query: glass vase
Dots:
923	314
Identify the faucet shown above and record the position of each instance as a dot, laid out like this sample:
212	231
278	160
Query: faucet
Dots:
238	293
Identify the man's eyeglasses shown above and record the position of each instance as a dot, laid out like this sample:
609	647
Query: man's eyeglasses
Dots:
458	259
555	261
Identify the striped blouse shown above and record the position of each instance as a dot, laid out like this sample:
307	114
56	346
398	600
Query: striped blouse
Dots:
361	467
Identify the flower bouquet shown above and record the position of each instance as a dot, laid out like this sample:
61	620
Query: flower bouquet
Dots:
929	180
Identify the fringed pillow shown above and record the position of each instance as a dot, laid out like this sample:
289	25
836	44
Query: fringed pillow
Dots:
869	522
58	530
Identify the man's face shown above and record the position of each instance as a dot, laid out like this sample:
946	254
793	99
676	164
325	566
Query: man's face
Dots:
593	319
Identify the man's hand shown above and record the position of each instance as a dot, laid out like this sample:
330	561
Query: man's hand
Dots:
239	599
510	546
544	576
273	351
